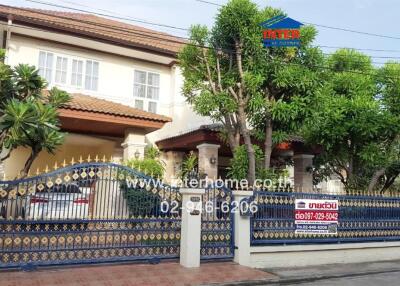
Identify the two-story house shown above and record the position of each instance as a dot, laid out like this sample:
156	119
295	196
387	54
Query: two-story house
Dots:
126	92
123	79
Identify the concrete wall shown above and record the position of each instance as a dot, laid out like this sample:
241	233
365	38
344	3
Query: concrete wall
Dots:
308	255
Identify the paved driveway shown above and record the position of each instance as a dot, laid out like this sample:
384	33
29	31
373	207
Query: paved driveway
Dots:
163	274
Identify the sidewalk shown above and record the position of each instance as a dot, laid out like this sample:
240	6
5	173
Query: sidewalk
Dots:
172	274
163	274
286	276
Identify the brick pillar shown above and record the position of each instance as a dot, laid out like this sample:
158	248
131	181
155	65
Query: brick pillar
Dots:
134	143
173	161
208	153
303	179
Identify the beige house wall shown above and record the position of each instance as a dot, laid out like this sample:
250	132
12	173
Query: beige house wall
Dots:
74	147
116	75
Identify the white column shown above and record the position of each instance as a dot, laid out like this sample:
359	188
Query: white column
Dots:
134	144
208	160
191	227
303	179
242	231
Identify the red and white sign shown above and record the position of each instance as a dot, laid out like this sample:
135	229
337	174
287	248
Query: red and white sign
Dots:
316	216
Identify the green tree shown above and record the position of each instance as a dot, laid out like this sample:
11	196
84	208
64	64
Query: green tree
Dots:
354	119
387	169
230	77
27	118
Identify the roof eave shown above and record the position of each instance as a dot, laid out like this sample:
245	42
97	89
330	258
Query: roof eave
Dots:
84	34
92	122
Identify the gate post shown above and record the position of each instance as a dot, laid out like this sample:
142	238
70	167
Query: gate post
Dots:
242	231
191	227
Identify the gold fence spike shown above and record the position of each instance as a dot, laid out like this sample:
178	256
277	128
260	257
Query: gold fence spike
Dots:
47	169
80	160
104	158
55	166
37	171
64	164
89	159
73	161
96	159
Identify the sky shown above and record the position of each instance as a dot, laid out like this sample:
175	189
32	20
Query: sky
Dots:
372	16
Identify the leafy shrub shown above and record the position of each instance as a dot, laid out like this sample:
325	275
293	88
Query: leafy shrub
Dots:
189	166
239	167
240	163
140	201
151	165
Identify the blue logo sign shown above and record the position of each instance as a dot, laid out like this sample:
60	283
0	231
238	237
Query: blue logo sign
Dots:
281	31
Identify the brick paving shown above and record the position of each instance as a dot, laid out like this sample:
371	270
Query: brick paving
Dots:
166	273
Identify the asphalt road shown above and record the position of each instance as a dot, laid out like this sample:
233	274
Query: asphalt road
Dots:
384	279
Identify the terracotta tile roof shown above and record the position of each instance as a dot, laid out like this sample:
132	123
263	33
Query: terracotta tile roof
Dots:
96	27
88	103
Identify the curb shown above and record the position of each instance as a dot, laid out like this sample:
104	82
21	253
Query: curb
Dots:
288	281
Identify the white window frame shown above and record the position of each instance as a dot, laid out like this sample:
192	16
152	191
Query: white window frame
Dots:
146	100
45	67
92	75
69	71
76	73
61	70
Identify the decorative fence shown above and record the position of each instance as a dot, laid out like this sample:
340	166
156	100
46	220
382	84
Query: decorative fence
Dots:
361	218
91	212
217	225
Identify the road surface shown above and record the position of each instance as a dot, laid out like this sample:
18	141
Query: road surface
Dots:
384	279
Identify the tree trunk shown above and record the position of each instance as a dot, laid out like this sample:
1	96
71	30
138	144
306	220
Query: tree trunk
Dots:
388	183
232	131
375	178
29	162
232	142
251	173
268	144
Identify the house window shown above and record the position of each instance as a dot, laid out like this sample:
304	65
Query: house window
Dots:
139	104
61	70
152	106
147	88
91	75
77	73
46	65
